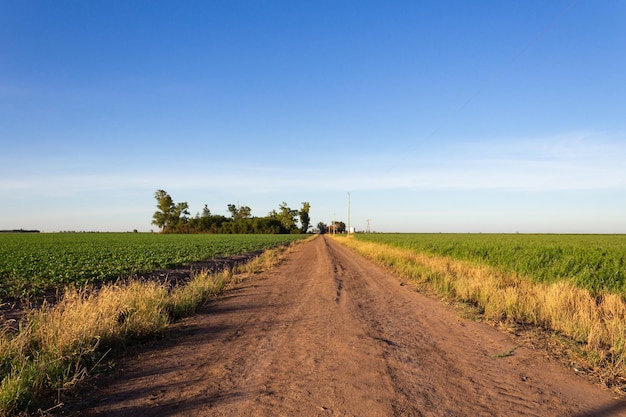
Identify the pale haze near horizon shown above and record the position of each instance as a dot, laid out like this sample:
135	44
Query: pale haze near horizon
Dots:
450	116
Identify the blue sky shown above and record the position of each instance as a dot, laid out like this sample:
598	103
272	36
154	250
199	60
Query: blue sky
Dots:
447	116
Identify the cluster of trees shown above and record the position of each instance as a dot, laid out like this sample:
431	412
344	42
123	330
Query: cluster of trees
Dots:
175	218
334	227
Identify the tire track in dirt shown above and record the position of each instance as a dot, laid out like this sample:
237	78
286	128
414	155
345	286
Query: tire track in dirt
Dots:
329	333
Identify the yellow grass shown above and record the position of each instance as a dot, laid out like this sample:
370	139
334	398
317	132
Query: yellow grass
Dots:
57	346
597	323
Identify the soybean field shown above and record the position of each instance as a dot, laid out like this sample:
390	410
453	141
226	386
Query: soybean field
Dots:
31	263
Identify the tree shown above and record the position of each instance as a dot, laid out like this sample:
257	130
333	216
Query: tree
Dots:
206	212
305	220
170	215
245	212
180	213
286	216
165	204
321	226
239	212
338	227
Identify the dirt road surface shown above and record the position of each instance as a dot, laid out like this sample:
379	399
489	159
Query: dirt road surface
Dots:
329	333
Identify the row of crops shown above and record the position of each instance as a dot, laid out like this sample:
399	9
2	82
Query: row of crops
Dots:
594	262
31	263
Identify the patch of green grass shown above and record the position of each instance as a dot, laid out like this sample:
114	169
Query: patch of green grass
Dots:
506	353
593	262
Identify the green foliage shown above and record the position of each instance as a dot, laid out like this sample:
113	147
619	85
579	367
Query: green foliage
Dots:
594	262
305	219
286	216
174	218
169	215
239	212
32	263
337	227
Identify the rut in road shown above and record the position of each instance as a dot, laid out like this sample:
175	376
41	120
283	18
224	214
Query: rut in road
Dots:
329	333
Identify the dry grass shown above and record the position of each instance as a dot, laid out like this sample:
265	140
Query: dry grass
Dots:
57	346
597	324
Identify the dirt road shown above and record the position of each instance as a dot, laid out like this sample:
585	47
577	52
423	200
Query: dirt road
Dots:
330	334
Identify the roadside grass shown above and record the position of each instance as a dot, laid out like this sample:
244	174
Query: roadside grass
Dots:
53	348
596	322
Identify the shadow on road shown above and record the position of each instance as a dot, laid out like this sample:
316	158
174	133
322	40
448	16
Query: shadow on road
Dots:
617	408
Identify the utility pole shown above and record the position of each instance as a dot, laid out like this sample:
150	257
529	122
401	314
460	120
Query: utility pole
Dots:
348	213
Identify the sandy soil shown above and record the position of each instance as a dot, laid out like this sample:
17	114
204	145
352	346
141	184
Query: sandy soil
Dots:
329	333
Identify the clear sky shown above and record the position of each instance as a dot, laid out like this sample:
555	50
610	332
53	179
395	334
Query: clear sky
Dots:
436	116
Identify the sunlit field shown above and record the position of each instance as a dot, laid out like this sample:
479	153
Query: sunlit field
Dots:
571	285
54	347
33	262
594	262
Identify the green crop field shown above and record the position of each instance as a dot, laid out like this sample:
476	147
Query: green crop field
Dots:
594	262
32	262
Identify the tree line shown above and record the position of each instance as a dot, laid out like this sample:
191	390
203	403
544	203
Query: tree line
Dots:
333	227
173	217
